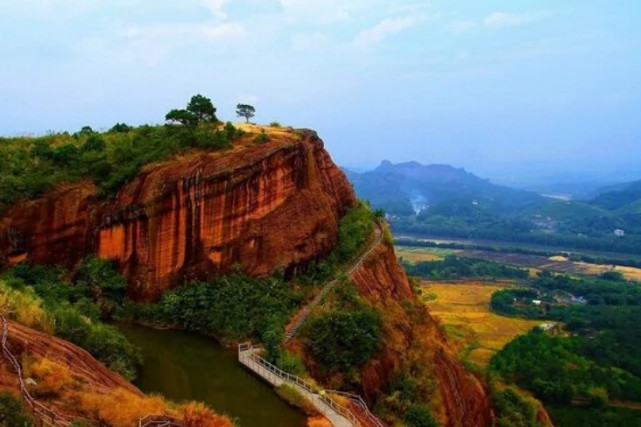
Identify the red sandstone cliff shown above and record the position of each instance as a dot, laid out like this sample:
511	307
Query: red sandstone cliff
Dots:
413	340
257	207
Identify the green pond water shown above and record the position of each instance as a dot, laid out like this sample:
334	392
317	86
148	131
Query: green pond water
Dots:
186	366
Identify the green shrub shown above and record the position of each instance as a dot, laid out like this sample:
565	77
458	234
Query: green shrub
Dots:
354	230
419	416
104	342
13	413
232	308
101	278
514	409
342	341
262	138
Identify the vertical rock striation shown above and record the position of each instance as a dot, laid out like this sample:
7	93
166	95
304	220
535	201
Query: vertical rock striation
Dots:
255	208
411	335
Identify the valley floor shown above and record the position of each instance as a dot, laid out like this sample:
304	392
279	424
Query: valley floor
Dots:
536	262
464	311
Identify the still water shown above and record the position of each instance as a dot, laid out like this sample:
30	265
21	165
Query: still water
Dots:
186	366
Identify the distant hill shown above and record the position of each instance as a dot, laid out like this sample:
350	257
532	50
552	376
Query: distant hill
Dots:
441	200
620	196
406	188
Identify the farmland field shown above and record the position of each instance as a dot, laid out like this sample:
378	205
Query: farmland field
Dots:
556	263
535	263
415	254
464	312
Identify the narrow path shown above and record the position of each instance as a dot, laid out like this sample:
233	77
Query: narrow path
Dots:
303	314
338	415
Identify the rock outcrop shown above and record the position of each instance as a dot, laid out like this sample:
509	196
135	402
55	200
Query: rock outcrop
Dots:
257	208
412	338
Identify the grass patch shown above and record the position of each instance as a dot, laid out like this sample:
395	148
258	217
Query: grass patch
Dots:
295	398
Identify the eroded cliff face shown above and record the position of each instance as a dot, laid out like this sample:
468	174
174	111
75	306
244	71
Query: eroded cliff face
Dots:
256	208
412	338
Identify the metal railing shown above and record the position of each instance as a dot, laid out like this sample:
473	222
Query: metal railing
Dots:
357	400
247	348
159	420
46	416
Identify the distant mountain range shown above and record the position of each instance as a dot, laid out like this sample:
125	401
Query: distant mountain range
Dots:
441	200
407	188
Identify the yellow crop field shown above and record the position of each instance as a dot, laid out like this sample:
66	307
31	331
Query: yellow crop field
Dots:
464	311
414	255
630	273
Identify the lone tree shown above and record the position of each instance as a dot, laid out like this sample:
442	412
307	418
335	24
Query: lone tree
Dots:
199	110
246	111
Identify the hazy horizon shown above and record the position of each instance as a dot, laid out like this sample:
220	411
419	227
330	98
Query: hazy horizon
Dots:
497	88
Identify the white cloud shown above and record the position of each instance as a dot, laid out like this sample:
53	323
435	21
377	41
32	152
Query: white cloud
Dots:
499	20
384	29
216	8
461	27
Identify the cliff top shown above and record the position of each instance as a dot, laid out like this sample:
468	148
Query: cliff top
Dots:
30	166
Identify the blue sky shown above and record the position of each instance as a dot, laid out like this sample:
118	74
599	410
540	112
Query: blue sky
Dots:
479	84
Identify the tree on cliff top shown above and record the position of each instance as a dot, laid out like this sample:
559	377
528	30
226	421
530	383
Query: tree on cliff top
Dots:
199	110
246	111
203	108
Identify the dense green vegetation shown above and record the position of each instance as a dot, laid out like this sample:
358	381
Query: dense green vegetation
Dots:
513	409
31	166
453	267
342	340
13	413
605	325
231	308
76	306
598	363
401	399
590	231
419	416
593	417
553	368
354	230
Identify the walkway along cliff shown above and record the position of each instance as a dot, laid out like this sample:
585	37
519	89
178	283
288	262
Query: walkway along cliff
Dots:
255	208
